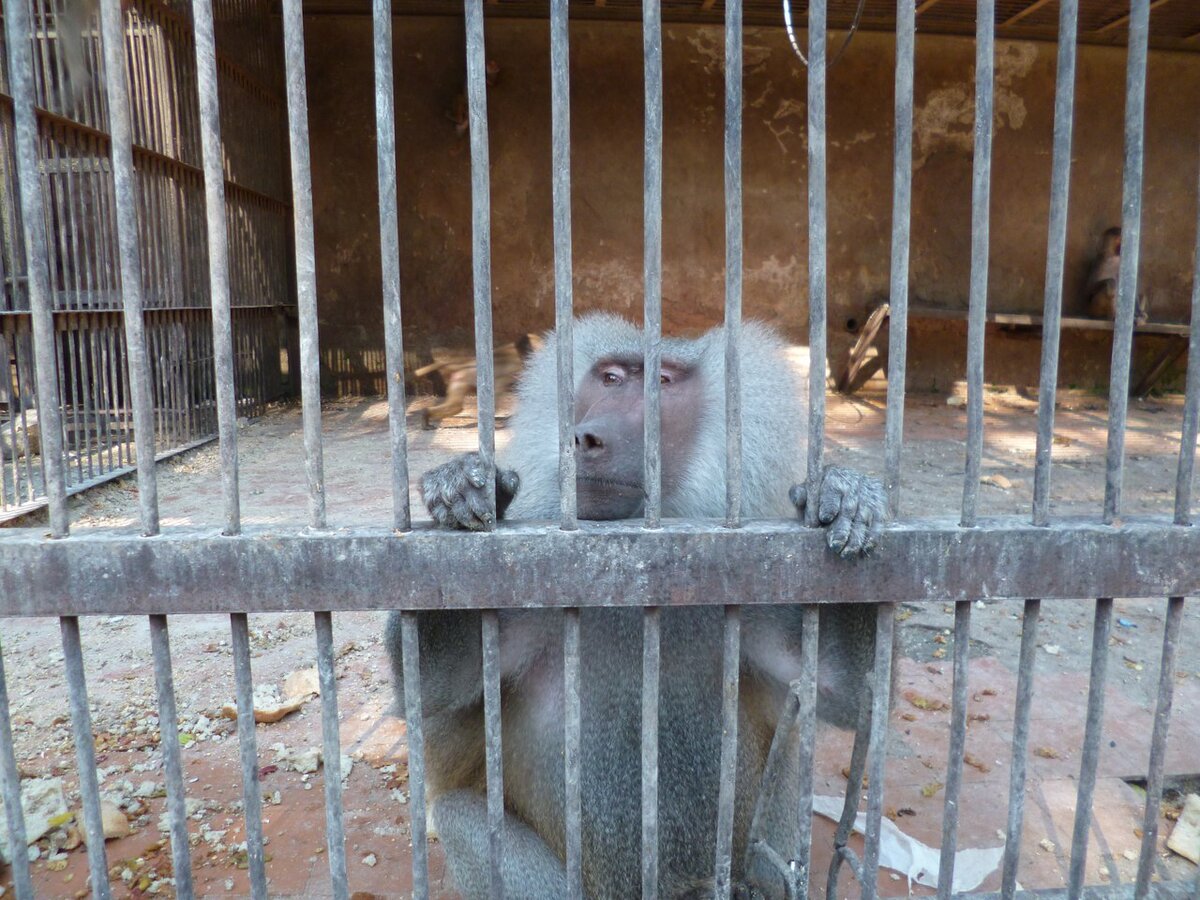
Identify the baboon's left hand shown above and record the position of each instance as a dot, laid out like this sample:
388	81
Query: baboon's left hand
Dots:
853	505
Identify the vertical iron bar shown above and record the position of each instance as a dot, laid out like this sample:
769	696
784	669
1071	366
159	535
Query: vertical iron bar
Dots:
1090	757
414	721
1191	409
958	745
560	111
125	187
805	689
494	751
730	670
817	239
572	741
335	832
652	260
1020	748
901	232
33	232
389	246
85	756
218	261
733	262
481	237
248	752
877	748
168	728
1131	227
1158	745
651	659
1056	254
10	789
306	270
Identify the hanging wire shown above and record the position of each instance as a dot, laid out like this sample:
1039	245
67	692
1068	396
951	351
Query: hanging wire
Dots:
787	21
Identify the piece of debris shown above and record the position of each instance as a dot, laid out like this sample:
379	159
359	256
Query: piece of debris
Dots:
1062	440
1133	664
1185	836
370	860
955	400
114	822
268	706
1052	649
44	807
1129	855
1047	753
932	788
929	704
1047	845
305	761
1125	623
996	480
302	683
976	763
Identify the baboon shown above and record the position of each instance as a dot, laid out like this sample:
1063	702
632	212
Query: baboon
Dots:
609	442
1102	281
458	375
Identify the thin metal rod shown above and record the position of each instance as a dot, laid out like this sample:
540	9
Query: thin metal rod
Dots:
733	262
958	745
248	753
560	125
1056	255
1158	745
901	232
85	756
389	251
481	237
168	726
10	790
1090	758
805	689
494	751
1191	409
18	42
1131	228
1020	747
306	267
652	258
877	748
335	831
414	721
651	660
218	260
817	239
981	183
573	795
730	671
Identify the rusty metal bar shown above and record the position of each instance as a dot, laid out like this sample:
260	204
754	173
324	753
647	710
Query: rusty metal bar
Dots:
33	232
1020	747
335	831
10	789
248	753
306	266
490	629
901	233
572	712
414	721
733	263
958	746
652	260
651	667
1191	409
730	672
389	248
881	691
817	239
981	178
1131	228
168	727
481	237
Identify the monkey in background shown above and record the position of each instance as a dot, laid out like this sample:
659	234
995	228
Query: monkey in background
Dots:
458	372
1101	290
609	447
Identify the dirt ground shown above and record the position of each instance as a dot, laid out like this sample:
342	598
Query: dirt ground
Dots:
121	680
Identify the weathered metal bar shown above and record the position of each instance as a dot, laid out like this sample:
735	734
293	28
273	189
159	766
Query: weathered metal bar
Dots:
1019	758
901	233
805	689
651	665
1090	758
560	126
306	266
218	260
1158	745
10	790
239	627
168	728
481	236
733	263
817	239
85	755
730	671
1191	409
494	751
981	184
773	770
652	258
1056	254
1131	229
335	831
958	746
881	691
572	712
33	232
389	249
129	257
414	720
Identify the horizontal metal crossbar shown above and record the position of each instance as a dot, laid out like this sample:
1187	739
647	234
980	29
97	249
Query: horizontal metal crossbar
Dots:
261	570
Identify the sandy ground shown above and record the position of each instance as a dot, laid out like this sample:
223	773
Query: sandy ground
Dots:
378	850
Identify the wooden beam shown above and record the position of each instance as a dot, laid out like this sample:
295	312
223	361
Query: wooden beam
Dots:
927	5
1027	11
707	5
1122	20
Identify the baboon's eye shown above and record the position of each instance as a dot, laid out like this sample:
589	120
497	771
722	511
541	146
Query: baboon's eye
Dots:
611	377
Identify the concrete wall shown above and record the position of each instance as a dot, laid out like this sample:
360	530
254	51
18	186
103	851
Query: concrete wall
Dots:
607	118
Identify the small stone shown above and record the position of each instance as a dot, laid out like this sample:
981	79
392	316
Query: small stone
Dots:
370	860
1185	837
1047	845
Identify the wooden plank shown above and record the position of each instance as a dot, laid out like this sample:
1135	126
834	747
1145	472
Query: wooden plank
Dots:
1116	23
1029	10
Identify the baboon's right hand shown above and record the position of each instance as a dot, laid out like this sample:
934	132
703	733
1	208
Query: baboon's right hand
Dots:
456	493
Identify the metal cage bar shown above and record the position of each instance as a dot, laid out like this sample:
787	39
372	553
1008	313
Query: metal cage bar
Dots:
490	630
1020	748
652	258
572	741
733	262
730	672
1191	409
414	720
651	669
239	628
10	786
958	746
881	685
335	830
805	689
817	238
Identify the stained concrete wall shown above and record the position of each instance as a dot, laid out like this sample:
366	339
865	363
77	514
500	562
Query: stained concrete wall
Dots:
607	121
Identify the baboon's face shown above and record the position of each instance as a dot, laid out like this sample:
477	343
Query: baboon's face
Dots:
610	434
